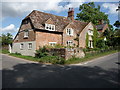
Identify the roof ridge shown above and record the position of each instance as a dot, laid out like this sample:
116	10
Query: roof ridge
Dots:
50	14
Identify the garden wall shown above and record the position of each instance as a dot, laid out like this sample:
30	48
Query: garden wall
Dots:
67	53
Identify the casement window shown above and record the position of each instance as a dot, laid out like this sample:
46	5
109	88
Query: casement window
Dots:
69	31
25	21
29	45
52	43
69	43
26	34
50	27
21	46
90	32
90	44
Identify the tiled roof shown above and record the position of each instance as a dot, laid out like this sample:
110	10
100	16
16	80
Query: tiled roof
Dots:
39	18
100	27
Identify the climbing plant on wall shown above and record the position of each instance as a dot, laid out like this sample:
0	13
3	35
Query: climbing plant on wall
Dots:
87	40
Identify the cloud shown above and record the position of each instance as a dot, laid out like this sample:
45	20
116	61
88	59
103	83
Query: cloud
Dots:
8	29
15	9
63	0
111	7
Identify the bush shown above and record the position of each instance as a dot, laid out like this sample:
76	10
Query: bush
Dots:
52	59
5	51
16	53
41	52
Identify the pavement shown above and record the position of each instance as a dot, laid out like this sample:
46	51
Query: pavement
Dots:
97	73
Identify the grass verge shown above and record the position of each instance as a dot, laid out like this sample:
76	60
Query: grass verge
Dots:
24	57
4	51
88	57
73	60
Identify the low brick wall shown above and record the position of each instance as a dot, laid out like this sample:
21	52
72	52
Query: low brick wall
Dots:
67	53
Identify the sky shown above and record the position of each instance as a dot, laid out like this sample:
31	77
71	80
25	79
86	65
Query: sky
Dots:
13	11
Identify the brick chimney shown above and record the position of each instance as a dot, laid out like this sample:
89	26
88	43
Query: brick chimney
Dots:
71	14
101	21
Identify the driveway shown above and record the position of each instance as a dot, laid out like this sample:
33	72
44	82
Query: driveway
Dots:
98	73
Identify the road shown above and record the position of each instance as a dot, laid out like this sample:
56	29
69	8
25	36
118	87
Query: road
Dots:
97	73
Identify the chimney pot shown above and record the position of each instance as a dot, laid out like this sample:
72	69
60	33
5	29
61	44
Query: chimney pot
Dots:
71	14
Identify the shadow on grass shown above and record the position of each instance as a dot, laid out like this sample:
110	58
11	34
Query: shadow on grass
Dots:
33	75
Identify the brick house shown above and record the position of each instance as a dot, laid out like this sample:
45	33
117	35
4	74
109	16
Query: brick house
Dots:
102	26
40	29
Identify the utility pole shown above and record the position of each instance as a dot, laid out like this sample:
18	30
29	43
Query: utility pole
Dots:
118	11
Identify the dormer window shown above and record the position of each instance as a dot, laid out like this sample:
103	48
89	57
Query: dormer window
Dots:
26	34
50	27
69	31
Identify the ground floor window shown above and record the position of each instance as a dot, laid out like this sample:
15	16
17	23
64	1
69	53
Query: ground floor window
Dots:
69	43
21	46
29	45
52	43
90	44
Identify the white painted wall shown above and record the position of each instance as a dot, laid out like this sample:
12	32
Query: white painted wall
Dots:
25	50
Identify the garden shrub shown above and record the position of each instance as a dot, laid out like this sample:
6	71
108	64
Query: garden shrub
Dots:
52	59
41	52
16	53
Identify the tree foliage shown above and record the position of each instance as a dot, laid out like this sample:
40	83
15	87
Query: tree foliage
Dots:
100	43
95	37
6	39
91	13
117	24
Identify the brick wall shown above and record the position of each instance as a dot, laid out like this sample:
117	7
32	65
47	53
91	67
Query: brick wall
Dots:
43	38
31	37
67	53
69	38
82	37
26	24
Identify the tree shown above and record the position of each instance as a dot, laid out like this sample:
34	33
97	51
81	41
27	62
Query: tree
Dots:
95	37
100	43
6	39
117	24
90	13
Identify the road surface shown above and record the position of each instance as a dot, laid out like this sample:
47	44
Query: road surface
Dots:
97	73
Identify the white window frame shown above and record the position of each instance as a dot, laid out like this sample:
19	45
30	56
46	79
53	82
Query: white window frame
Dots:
26	33
90	32
53	43
69	31
90	44
29	47
50	27
21	46
69	43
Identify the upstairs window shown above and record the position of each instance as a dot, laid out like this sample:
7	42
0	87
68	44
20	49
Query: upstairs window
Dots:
69	31
26	34
26	21
50	27
90	32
